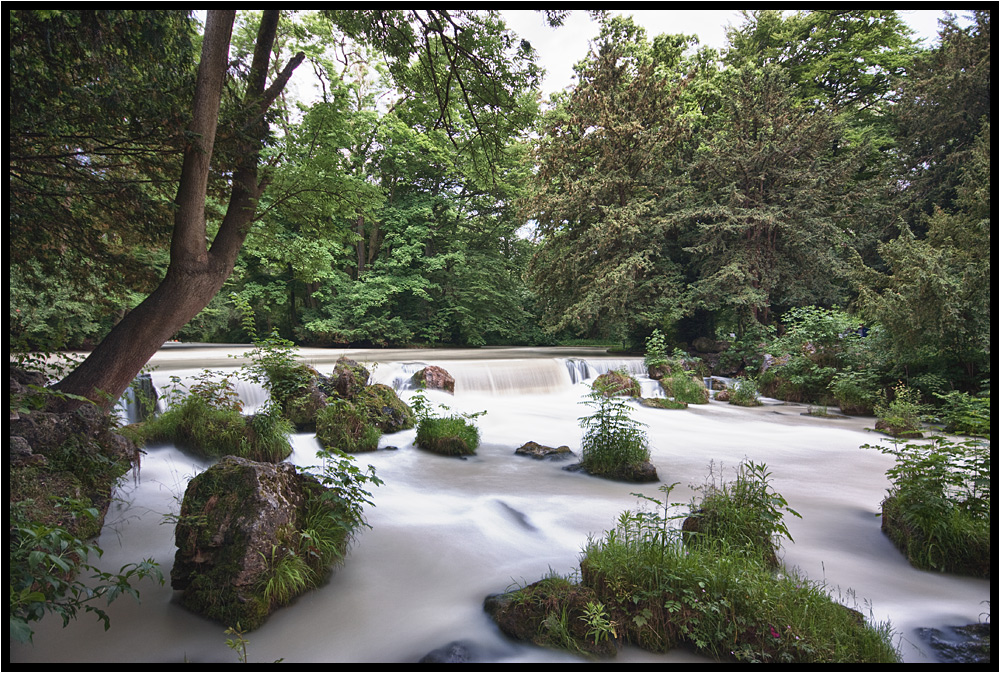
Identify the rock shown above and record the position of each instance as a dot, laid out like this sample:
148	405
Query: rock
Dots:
385	409
540	452
662	403
722	396
239	519
657	372
640	473
532	613
963	645
453	653
436	378
349	378
617	383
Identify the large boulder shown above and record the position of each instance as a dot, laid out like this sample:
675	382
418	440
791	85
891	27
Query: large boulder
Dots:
436	378
349	378
241	552
385	409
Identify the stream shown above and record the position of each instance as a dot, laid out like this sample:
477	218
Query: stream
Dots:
447	532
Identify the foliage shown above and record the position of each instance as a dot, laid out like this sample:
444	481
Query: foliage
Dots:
344	425
901	417
44	563
856	392
718	598
747	514
345	487
938	509
683	387
613	441
964	414
207	419
745	393
449	435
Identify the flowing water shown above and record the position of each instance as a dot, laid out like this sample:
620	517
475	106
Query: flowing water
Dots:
447	532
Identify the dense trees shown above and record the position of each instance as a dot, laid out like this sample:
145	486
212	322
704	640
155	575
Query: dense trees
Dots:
823	158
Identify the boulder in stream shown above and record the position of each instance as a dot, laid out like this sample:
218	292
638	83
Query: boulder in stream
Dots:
541	452
436	378
250	537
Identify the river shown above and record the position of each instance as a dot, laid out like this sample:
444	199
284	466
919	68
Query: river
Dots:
447	532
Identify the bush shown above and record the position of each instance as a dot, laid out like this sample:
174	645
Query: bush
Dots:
449	436
902	416
681	387
856	392
617	383
614	444
208	421
745	393
938	509
345	426
964	414
646	586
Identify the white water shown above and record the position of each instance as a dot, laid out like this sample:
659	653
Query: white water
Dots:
447	532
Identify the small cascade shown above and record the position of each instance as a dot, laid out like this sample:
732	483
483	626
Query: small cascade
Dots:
171	388
139	401
396	375
591	368
509	377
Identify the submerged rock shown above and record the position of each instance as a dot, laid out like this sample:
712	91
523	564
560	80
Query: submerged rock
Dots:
639	473
540	452
963	645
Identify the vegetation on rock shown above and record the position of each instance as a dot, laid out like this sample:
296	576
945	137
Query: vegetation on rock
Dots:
614	444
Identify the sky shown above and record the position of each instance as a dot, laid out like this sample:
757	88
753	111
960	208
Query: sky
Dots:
559	48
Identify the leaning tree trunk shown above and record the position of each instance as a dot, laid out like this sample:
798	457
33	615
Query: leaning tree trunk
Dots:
196	272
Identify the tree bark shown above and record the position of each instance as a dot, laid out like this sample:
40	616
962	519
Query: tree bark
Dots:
196	272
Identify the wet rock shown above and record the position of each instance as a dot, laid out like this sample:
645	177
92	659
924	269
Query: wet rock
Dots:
617	383
456	652
385	409
639	473
960	644
239	520
540	452
349	378
436	378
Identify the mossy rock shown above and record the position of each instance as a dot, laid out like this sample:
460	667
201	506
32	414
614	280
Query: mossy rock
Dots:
384	408
616	383
237	520
449	436
349	378
346	426
683	388
550	613
662	403
636	473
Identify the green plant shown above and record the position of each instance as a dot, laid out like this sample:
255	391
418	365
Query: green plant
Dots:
682	387
900	417
343	425
964	414
288	576
450	435
938	509
746	514
856	392
745	393
612	439
656	349
44	565
600	626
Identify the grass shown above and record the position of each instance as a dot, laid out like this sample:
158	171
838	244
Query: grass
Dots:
682	387
613	442
213	432
345	426
449	435
717	592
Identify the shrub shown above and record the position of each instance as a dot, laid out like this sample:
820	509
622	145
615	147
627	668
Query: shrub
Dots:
613	442
938	509
746	515
449	436
902	416
856	392
745	393
964	414
656	350
345	426
682	387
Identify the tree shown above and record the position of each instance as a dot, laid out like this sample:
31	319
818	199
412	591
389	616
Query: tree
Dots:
197	270
94	127
767	203
606	161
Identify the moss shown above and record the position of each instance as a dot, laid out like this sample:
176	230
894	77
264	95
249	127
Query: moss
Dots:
450	436
683	388
384	409
662	403
344	425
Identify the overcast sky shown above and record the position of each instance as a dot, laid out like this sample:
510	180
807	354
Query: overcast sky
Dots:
560	48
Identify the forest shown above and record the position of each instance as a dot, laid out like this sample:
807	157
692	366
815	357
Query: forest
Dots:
823	176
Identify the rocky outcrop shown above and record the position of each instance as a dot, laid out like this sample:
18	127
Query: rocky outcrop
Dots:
617	383
639	473
239	540
436	378
349	378
541	452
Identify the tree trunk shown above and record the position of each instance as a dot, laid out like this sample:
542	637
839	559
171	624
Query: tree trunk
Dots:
196	272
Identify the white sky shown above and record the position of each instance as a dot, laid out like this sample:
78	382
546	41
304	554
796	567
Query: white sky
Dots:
560	48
